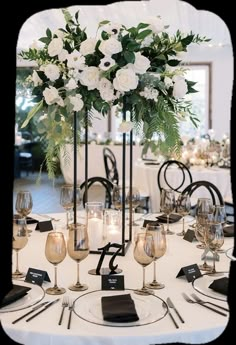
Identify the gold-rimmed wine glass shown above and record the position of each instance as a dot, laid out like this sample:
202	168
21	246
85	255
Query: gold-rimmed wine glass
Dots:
183	206
55	252
24	204
67	199
19	241
167	205
159	239
78	250
214	239
144	254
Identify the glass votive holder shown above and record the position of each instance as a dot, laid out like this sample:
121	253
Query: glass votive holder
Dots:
94	220
112	223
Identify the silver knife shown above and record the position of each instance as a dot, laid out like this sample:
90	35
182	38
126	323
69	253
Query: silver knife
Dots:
31	311
46	307
171	305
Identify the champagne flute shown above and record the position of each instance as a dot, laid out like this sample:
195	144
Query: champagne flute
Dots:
67	199
55	252
183	206
135	197
144	254
167	205
159	239
24	204
19	241
78	250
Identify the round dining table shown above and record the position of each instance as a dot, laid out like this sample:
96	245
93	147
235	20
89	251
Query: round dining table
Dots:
201	325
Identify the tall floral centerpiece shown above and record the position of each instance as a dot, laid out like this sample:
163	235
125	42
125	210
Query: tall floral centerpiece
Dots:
138	68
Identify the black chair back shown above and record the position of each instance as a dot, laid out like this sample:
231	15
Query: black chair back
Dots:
108	185
110	165
162	176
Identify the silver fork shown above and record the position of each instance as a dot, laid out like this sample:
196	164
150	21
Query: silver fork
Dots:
189	300
201	301
65	302
70	309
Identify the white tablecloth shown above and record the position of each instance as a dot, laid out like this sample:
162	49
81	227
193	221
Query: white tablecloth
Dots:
145	178
201	325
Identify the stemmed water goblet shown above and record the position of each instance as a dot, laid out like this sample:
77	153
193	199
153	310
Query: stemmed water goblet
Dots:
135	198
67	199
24	204
144	254
55	252
214	239
167	205
159	239
19	241
78	250
183	206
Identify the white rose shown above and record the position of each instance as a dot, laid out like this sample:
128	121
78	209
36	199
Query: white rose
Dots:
71	85
75	60
110	46
104	84
90	77
35	78
156	24
125	80
88	46
107	95
55	46
63	55
52	72
125	126
141	64
180	88
77	102
51	95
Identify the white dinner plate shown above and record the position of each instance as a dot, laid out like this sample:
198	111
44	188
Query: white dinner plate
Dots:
201	284
33	296
229	254
149	308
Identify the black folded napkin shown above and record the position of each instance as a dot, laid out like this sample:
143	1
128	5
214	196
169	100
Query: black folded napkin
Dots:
220	285
120	308
228	230
172	219
16	293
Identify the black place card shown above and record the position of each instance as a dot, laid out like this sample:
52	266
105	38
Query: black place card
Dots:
45	225
151	222
112	282
191	272
36	276
190	236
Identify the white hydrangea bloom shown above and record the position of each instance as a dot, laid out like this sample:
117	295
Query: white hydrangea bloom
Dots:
110	46
55	47
150	93
125	80
52	72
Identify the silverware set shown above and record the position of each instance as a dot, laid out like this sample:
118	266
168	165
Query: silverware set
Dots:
197	300
66	302
171	305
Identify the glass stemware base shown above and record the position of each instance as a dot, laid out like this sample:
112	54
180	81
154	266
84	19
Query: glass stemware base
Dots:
55	291
78	287
205	267
182	233
155	285
168	232
17	275
144	292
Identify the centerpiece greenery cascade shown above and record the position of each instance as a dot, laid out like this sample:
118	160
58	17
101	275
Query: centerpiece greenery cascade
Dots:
79	75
